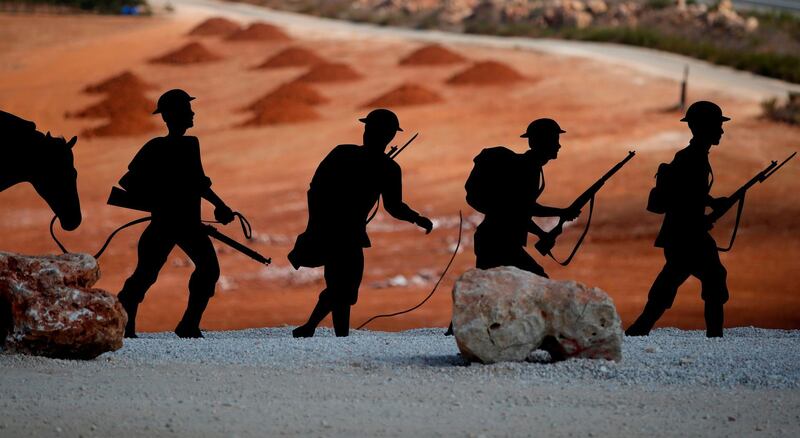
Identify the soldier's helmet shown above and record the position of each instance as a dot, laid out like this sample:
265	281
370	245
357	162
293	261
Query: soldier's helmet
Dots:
383	119
704	111
172	100
542	127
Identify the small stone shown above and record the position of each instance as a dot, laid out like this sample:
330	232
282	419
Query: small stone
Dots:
55	311
650	349
731	418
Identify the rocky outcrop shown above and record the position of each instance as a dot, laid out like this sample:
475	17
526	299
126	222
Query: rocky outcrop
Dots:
506	314
49	308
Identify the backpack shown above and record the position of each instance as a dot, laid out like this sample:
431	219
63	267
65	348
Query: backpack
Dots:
488	177
661	195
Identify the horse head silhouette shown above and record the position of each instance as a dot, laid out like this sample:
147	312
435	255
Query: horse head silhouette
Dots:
44	161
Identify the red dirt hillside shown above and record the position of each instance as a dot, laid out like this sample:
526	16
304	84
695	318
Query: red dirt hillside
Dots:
282	112
126	80
405	95
486	73
330	72
215	26
290	91
192	53
292	57
433	54
259	32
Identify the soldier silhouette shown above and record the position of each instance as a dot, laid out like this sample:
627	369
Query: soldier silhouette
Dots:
166	177
505	186
683	190
345	187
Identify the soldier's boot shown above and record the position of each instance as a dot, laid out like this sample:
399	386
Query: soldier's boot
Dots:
319	313
714	319
189	327
650	315
131	306
341	320
449	331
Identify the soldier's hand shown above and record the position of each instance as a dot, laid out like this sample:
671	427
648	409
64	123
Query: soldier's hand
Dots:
224	214
570	213
718	203
425	223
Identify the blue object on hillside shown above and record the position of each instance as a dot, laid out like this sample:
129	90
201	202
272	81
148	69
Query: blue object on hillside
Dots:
129	10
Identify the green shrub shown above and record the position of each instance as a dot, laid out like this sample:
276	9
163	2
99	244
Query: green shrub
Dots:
789	112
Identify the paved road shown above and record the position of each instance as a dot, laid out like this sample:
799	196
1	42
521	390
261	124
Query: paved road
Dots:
703	74
779	5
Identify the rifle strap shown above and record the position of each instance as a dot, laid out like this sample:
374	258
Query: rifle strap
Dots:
739	210
435	286
580	239
247	230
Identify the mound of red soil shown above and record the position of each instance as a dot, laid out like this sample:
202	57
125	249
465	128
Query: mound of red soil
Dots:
405	95
291	92
118	103
215	26
259	32
192	53
123	126
432	54
292	57
486	73
281	112
330	72
125	81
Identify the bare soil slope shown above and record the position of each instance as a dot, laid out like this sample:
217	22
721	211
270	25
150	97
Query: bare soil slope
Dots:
263	171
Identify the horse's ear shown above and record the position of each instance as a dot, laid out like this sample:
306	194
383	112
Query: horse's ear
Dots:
72	142
48	135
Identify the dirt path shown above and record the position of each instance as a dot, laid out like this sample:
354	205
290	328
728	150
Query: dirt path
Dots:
264	383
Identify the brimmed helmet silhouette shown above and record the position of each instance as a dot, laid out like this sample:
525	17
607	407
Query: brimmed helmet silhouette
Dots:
704	111
383	119
172	100
541	127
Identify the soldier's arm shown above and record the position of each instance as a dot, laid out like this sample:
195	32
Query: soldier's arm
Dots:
392	195
536	229
222	212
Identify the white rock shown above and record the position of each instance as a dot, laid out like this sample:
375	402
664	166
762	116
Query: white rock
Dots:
504	314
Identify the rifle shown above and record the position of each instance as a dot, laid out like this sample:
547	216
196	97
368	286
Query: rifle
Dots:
213	232
738	198
393	152
739	194
545	244
122	198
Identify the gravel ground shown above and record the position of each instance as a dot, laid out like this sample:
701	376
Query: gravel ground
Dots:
261	382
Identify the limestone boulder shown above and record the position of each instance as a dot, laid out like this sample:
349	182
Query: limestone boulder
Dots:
506	314
49	308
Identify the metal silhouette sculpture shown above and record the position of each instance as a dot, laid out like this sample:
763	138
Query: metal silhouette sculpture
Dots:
682	195
166	178
44	161
505	187
344	189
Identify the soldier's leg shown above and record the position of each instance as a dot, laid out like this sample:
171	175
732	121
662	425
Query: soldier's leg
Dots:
197	245
662	294
154	246
522	260
348	274
713	277
321	310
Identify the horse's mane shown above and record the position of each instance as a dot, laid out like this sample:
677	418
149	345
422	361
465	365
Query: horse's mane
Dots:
11	123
